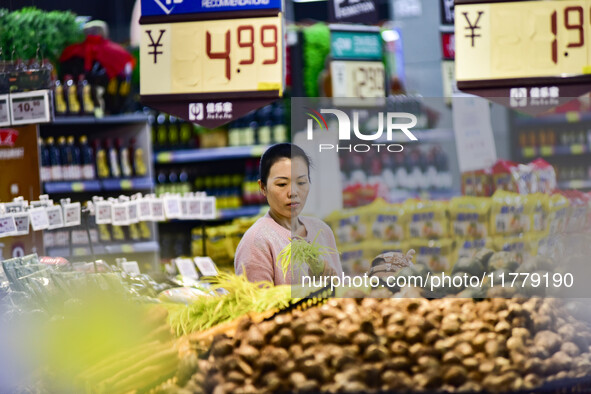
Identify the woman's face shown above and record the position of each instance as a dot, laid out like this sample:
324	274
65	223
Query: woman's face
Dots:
287	187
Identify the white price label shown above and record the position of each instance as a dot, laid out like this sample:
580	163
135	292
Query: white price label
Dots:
103	212
361	79
208	208
194	208
131	267
120	214
55	216
21	220
133	212
7	226
39	219
172	207
30	107
187	268
206	266
157	207
144	211
4	110
72	216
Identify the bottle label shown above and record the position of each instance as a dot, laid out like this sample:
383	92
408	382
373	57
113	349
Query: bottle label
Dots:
125	166
76	172
45	174
73	100
60	104
115	171
56	173
88	171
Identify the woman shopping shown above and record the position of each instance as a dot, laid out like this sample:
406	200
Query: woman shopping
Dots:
285	181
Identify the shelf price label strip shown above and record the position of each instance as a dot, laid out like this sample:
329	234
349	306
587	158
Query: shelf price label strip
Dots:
29	107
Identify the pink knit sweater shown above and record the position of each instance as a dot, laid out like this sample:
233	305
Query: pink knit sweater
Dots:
257	252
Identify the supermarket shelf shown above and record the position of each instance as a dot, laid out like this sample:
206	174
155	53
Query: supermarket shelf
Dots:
561	150
138	247
254	210
88	120
575	184
198	155
72	187
114	185
141	183
569	117
427	135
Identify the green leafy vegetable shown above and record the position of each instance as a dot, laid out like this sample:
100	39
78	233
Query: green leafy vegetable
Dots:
300	251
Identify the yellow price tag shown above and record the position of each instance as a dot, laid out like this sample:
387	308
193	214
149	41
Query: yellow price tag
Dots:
125	184
573	117
258	150
77	186
231	55
80	251
164	157
522	39
547	150
577	149
528	152
127	248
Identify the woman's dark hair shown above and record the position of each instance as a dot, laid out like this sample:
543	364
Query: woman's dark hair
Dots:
277	152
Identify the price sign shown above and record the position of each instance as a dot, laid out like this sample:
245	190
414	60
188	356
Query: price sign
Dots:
144	213
133	212
208	208
4	110
206	266
216	56
194	207
72	214
55	216
172	207
39	219
21	220
103	212
131	267
120	214
186	268
7	226
522	40
357	79
30	107
157	207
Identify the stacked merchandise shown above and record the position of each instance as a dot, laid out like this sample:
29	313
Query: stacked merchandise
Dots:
442	233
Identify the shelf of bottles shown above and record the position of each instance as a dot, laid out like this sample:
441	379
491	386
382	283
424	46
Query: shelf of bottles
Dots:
559	118
566	146
103	165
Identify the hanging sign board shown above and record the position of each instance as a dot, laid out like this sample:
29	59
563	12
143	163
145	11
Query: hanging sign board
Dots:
355	11
506	51
210	68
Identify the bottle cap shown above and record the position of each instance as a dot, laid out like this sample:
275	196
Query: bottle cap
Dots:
83	139
71	139
61	140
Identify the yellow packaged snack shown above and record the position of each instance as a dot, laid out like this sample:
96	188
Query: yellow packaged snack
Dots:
469	247
535	212
355	258
435	254
557	216
385	222
427	219
506	215
469	216
348	226
520	245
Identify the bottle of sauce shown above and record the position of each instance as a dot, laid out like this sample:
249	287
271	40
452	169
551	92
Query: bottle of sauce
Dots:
72	96
113	159
85	96
102	166
124	161
87	159
74	159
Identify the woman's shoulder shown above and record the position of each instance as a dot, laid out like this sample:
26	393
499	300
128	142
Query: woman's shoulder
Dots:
315	224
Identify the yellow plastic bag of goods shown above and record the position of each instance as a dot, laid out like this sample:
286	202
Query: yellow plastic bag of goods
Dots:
219	246
356	258
348	226
469	216
385	222
468	247
536	212
558	213
507	213
435	254
427	219
520	245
